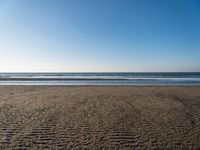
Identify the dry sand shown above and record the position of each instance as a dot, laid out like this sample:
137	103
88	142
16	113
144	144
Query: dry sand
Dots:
61	117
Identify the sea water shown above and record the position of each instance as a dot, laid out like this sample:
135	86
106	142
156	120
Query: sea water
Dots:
126	78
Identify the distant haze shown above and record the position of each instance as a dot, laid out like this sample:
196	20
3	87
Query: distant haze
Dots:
99	35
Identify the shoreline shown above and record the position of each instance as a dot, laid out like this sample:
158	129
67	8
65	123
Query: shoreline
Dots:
103	85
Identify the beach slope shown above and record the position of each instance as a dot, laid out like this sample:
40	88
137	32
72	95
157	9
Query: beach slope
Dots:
96	117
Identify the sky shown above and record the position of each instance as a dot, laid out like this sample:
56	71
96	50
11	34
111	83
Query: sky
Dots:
99	35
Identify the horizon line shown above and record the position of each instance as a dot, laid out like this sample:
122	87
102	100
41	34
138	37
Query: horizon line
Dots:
100	72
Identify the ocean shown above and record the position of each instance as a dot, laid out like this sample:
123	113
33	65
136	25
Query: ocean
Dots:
126	78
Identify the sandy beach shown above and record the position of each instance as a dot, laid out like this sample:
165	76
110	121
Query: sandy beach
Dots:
97	117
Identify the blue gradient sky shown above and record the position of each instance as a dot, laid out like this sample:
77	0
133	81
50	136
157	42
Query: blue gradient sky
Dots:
99	35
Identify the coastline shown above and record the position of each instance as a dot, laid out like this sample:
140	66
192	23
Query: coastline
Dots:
125	117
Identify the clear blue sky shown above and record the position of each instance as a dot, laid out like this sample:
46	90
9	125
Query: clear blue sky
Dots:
99	35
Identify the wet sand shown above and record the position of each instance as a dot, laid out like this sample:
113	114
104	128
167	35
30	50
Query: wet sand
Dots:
63	117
